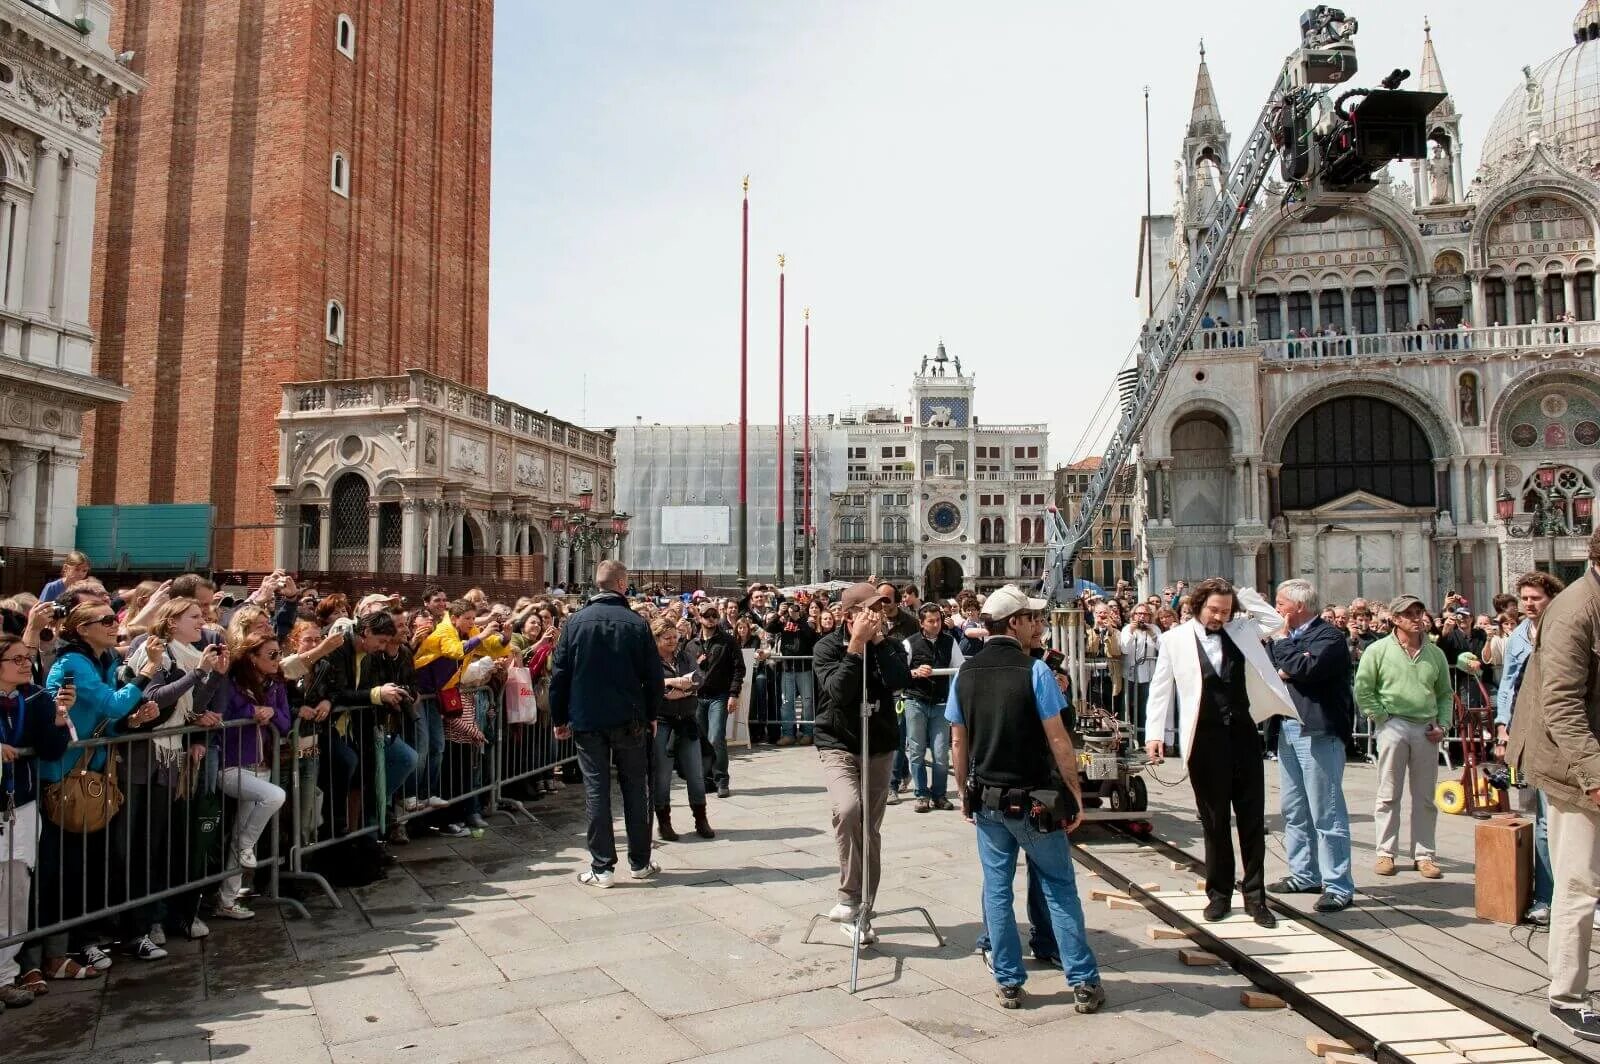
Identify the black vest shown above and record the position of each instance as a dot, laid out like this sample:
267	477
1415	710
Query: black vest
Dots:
936	653
1224	699
995	688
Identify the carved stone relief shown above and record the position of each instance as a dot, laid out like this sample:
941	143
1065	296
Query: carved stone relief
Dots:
468	455
530	470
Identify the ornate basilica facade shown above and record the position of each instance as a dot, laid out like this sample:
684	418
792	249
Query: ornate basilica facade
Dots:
1407	397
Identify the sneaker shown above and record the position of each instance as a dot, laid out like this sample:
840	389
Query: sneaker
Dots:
247	856
1216	909
903	786
1088	997
454	831
1010	996
649	871
1427	869
1538	915
843	913
476	821
723	791
397	835
1385	866
1332	903
147	950
894	796
158	934
943	804
924	805
15	997
1290	885
198	929
598	880
1048	958
787	740
234	912
1585	1023
868	935
411	805
806	740
97	958
435	802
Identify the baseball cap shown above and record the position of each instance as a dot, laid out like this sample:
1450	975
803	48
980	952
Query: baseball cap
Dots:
374	601
1403	603
1010	599
862	594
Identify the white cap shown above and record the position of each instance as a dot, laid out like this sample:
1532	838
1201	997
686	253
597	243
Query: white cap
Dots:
1005	601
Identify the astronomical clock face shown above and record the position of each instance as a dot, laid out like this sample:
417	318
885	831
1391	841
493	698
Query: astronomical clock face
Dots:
943	518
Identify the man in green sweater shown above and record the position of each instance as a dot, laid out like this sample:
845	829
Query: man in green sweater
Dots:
1403	685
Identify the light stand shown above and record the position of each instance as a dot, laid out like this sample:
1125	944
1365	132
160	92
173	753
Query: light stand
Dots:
863	911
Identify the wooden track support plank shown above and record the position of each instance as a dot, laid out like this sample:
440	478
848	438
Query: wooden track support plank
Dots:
1438	1058
1106	894
1334	960
1347	1058
1163	933
1260	999
1403	999
1123	903
1491	1041
1179	866
1198	958
1519	1055
1322	1044
1416	1026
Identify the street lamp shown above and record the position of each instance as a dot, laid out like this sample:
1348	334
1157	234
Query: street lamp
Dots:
1553	513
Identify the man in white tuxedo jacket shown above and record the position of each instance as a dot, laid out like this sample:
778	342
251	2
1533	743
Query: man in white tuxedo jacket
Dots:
1214	674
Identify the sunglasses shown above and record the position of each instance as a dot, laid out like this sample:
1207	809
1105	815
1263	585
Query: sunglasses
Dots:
108	621
272	655
24	659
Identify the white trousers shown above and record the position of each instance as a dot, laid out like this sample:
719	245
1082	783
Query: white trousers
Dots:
19	847
259	798
1575	861
1406	759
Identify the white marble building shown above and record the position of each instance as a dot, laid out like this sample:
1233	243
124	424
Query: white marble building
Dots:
58	77
420	476
1382	458
937	498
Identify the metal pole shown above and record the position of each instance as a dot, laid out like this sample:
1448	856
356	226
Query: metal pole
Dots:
1149	237
780	422
744	391
805	458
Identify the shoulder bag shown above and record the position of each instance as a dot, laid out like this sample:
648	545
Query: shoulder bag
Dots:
84	802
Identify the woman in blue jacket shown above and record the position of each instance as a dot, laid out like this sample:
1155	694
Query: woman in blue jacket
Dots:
73	877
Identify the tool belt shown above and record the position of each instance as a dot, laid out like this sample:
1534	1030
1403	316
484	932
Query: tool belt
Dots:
1046	808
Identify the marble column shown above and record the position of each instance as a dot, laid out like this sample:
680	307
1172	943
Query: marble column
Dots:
325	537
505	545
1349	320
431	551
1569	285
1423	302
374	512
1480	312
1244	566
411	561
284	554
1412	556
458	530
1491	488
1540	313
1240	503
73	267
1458	490
1274	490
42	220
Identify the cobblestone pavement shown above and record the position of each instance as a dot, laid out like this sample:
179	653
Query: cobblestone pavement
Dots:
488	949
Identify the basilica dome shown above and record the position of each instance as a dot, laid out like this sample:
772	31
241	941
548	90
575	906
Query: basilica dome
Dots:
1567	88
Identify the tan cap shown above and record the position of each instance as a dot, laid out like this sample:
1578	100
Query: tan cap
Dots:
1403	603
1010	599
862	594
372	602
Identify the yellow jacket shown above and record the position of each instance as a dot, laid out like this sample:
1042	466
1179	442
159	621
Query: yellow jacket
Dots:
445	642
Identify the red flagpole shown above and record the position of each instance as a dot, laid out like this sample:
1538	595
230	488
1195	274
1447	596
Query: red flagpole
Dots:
805	451
744	392
780	421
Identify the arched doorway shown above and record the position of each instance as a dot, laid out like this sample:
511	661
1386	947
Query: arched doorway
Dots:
349	530
942	580
1201	496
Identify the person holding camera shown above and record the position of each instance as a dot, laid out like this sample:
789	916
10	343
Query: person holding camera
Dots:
794	638
1018	776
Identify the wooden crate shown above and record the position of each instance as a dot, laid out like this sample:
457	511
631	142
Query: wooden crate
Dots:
1503	879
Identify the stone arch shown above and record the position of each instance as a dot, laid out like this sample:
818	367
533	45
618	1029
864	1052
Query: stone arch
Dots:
1378	208
349	496
1442	436
1543	375
478	532
1547	184
1197	402
535	538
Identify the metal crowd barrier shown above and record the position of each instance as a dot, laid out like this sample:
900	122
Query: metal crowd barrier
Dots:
170	841
782	694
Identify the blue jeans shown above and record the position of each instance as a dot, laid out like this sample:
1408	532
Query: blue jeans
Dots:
1041	936
598	751
926	729
673	747
798	686
1316	824
1544	880
483	714
399	762
1050	857
902	764
714	734
428	730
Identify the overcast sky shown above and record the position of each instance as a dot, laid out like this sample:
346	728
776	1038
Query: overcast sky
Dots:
931	168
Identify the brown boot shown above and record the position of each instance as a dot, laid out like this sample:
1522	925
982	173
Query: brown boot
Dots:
702	826
664	823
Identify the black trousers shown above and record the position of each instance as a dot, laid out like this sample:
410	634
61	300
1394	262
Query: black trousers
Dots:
1226	772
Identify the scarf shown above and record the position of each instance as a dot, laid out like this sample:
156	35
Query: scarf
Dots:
168	749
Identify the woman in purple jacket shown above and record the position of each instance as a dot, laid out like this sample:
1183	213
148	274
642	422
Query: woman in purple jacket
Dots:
255	692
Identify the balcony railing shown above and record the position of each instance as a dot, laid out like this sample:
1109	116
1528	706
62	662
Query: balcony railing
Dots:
1400	346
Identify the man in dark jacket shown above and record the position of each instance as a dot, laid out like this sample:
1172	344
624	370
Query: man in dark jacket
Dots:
857	661
1313	658
794	639
719	673
606	692
931	647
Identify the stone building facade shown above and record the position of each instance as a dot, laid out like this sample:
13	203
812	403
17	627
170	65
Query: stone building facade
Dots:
58	76
934	497
418	475
1114	549
302	194
1316	429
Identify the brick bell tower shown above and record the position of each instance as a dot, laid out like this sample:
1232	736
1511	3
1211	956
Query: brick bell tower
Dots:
301	193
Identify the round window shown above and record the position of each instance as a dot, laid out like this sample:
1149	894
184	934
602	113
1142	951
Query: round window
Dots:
944	518
351	448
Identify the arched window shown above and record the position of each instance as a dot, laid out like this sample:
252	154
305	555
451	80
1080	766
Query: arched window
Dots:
984	527
339	175
999	530
1527	301
1027	530
344	36
1494	301
1356	444
1038	530
335	322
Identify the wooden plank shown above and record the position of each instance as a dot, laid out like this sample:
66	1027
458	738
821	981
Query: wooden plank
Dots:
1241	926
1437	1058
1270	942
1334	960
1340	982
1163	933
1183	903
1322	1044
1179	866
1425	1025
1412	1049
1198	958
1124	903
1508	1056
1358	1003
1347	1058
1105	894
1260	999
1489	1041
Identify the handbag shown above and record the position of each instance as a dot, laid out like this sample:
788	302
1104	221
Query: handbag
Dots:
450	703
84	802
521	705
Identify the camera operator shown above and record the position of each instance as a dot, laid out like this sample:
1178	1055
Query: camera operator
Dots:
1018	776
794	638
